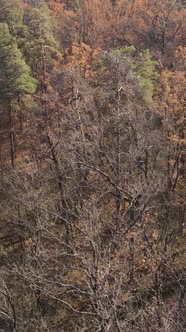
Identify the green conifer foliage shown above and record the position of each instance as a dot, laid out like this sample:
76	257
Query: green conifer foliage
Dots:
15	76
11	12
146	73
141	66
41	44
15	79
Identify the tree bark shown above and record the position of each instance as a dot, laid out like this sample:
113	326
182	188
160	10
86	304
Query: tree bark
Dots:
12	136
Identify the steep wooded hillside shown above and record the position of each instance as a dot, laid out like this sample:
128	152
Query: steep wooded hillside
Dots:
92	166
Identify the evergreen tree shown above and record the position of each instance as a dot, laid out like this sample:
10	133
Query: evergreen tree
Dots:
15	77
143	68
41	44
11	12
146	74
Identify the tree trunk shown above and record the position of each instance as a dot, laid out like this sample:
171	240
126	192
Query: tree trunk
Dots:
12	137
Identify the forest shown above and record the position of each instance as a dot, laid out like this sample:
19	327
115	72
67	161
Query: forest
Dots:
92	166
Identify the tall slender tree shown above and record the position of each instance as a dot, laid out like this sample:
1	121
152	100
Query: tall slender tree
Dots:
41	44
15	77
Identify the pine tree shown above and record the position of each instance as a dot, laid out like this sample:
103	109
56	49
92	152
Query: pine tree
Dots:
15	76
146	74
41	44
11	12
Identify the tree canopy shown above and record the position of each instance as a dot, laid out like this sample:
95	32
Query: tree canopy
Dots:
92	166
15	74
